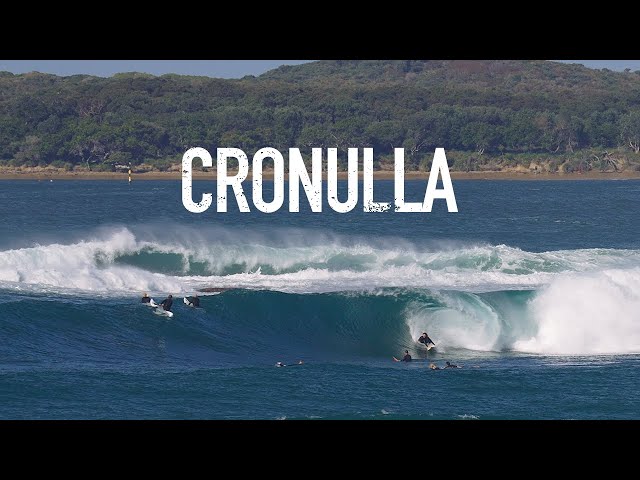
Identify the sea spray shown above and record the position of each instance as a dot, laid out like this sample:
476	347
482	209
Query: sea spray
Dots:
591	313
118	260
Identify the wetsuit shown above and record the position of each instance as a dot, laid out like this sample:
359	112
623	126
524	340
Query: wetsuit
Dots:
426	341
145	300
166	304
406	358
451	366
194	301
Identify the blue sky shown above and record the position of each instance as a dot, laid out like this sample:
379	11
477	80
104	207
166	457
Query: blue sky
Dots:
212	68
106	68
619	65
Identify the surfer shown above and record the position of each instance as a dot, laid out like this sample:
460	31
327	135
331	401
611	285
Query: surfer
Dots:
451	365
407	357
145	298
166	303
433	366
424	338
280	364
194	301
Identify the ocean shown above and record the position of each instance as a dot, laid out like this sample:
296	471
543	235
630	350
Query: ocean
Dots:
533	288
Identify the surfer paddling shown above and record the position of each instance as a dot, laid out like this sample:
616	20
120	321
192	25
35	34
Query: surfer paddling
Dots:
166	303
406	358
433	366
193	301
148	301
280	364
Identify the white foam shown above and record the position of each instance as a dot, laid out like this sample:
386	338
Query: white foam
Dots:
596	313
303	261
78	267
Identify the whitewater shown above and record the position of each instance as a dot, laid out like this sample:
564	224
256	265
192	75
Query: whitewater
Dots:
533	287
584	301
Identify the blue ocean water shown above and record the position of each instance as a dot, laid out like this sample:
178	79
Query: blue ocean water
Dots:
533	288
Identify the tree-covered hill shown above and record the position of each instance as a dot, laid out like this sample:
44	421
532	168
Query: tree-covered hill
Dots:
488	114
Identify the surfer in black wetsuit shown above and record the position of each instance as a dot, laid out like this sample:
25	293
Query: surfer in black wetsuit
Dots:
166	303
145	299
194	301
407	357
450	365
424	338
280	364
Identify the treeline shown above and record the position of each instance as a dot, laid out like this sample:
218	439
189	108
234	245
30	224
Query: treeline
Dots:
488	109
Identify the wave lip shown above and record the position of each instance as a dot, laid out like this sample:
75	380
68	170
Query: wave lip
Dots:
575	315
143	259
478	298
87	265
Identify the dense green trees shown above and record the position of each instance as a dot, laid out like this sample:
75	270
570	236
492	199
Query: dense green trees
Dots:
481	109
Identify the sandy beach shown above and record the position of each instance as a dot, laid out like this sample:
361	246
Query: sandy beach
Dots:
52	174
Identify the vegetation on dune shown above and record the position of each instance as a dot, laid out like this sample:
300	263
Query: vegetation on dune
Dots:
489	115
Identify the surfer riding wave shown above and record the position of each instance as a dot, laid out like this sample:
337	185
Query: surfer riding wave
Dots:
424	339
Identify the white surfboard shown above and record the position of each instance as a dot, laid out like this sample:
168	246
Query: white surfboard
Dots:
187	302
162	311
151	303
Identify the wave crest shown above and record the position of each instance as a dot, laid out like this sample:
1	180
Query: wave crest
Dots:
119	260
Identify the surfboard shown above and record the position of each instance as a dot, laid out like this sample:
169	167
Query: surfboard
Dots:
189	304
430	346
151	303
395	359
161	311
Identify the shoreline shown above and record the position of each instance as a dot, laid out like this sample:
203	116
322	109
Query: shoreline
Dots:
378	175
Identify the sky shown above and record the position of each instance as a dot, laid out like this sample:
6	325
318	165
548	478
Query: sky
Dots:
618	65
211	68
106	68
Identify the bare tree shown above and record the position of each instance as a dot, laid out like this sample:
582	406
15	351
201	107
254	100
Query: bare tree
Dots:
94	108
606	160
